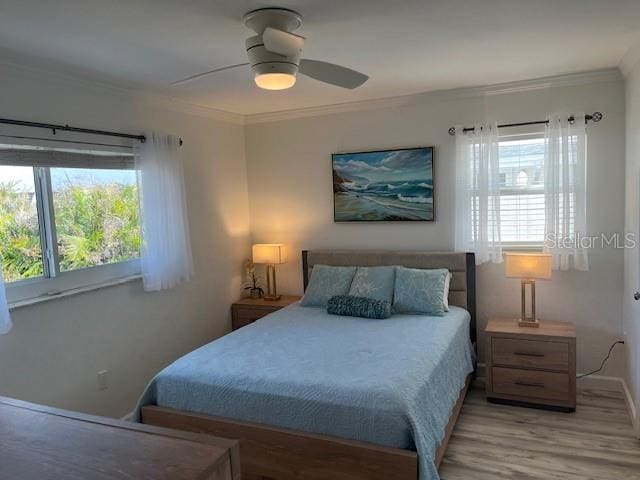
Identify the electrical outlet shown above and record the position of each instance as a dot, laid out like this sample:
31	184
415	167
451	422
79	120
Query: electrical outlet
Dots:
102	379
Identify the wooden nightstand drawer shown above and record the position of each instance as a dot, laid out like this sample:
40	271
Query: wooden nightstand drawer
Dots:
249	315
239	323
516	352
243	316
531	384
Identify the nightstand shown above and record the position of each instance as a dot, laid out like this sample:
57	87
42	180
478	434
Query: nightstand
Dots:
533	367
248	310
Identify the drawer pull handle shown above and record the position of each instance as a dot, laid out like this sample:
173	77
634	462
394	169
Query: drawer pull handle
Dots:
529	384
529	354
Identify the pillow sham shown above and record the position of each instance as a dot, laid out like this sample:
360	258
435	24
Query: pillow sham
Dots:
420	291
326	282
445	294
374	282
351	306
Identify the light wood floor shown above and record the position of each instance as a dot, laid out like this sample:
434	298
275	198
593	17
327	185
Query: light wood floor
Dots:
493	442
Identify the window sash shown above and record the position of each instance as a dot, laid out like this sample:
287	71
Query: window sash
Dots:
83	277
53	280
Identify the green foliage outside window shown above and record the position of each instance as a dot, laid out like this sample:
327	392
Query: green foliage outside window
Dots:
19	238
95	225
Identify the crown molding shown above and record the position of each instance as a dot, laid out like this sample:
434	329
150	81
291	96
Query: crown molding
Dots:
135	95
375	103
572	79
630	60
179	105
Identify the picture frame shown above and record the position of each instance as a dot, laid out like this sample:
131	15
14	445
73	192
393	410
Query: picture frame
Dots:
393	185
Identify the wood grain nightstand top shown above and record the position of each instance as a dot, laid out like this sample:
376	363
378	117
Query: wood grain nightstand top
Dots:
260	302
547	328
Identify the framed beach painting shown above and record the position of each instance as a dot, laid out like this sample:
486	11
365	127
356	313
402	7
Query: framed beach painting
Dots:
384	186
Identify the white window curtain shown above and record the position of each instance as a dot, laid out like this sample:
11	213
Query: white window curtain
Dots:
166	250
5	318
565	191
478	193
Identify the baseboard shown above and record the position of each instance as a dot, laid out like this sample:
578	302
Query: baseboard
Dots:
128	417
633	413
599	382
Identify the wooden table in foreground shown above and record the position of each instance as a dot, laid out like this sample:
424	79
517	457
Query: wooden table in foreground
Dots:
38	442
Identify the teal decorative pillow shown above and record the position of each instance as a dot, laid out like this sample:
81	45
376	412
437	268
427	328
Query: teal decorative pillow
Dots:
358	307
327	282
374	282
420	291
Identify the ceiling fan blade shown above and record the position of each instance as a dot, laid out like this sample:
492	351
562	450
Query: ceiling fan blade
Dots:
282	43
334	74
198	75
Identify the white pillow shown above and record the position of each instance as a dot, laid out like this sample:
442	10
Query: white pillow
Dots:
445	299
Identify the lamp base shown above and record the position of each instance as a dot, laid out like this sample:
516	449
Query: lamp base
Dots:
528	322
272	291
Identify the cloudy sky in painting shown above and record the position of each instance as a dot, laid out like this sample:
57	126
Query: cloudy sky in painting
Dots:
388	166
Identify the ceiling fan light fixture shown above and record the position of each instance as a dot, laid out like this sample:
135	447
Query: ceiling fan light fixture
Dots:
275	81
273	75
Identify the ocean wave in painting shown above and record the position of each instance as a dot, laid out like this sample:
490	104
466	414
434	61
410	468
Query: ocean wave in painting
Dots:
415	199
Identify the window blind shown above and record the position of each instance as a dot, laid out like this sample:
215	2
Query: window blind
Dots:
42	157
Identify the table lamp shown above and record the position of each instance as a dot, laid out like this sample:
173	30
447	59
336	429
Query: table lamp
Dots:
271	254
528	267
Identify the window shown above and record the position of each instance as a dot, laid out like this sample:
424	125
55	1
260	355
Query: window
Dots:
19	227
521	165
68	218
96	216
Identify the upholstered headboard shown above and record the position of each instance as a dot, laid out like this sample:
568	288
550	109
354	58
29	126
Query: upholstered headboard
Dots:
462	291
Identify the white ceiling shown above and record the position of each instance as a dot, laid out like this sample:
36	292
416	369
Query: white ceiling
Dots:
406	46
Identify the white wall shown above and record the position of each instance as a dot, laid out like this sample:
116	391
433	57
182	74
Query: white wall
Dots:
56	348
290	195
632	217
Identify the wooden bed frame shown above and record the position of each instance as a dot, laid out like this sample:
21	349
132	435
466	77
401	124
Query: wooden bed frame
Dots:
272	453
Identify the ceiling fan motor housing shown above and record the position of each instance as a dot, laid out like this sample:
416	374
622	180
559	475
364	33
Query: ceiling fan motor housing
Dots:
263	61
280	18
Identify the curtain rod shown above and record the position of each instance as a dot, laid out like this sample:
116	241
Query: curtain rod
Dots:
73	142
595	117
66	128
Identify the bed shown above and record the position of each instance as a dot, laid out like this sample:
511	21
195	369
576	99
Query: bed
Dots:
316	396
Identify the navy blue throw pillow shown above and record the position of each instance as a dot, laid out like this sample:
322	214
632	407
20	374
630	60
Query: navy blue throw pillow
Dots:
350	306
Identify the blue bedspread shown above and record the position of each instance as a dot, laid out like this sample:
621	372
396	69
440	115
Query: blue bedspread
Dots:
390	382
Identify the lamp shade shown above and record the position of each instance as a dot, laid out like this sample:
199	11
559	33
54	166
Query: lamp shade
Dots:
530	266
269	253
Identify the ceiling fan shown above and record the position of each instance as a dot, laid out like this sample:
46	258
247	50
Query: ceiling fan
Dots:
274	54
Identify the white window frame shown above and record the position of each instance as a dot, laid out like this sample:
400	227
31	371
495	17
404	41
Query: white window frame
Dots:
522	134
54	282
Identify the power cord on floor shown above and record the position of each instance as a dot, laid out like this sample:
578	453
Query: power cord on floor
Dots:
603	361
